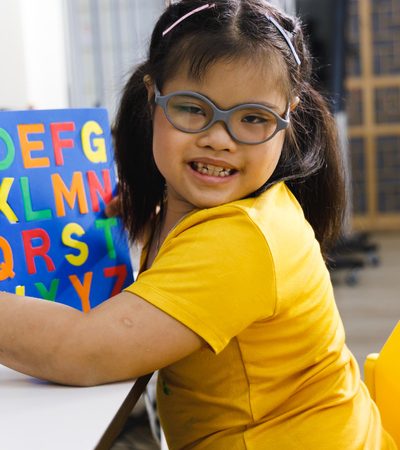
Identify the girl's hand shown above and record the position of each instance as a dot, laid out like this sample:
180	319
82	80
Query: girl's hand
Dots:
113	208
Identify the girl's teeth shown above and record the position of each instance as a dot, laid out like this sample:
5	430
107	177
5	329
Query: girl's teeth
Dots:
210	170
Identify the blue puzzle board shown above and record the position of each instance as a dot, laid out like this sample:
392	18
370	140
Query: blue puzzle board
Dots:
56	176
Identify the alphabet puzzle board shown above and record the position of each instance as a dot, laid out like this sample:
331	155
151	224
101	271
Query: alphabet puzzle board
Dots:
56	175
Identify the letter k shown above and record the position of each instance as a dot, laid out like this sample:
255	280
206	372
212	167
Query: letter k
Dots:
4	206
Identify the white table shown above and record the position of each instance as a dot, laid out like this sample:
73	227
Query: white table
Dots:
37	415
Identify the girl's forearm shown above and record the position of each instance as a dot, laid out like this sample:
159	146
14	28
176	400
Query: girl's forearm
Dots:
122	338
32	332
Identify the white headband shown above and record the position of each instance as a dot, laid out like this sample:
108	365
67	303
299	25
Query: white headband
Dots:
201	8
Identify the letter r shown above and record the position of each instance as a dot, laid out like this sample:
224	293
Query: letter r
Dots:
28	236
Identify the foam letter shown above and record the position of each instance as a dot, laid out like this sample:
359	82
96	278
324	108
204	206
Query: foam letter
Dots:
30	214
4	206
120	272
10	153
7	266
30	146
58	143
74	228
20	290
76	190
100	154
95	187
48	294
41	250
106	225
83	290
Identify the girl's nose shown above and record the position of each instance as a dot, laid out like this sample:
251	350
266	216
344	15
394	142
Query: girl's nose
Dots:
217	137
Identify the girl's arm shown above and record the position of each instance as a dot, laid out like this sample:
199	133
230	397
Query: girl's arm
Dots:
122	338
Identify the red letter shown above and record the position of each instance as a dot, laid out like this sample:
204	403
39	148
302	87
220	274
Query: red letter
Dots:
41	250
58	143
120	272
96	188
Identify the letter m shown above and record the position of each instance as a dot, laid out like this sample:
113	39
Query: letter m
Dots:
70	195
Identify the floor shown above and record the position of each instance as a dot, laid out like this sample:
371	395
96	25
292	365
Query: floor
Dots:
136	434
369	308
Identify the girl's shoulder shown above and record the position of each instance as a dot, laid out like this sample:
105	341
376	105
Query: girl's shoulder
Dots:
273	219
268	211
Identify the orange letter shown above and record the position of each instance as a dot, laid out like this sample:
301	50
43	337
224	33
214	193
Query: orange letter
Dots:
6	267
76	190
83	290
30	146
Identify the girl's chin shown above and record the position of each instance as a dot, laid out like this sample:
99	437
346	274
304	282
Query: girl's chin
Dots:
212	203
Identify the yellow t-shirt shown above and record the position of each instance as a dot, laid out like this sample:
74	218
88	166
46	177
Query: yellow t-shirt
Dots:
248	277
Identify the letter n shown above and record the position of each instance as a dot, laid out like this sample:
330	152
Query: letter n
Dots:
95	187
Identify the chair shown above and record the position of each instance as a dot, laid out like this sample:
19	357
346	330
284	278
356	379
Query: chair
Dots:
382	377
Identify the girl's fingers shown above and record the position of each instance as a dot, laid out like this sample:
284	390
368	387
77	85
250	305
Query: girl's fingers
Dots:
113	208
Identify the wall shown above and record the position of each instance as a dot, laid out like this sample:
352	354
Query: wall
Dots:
373	84
32	50
13	88
107	38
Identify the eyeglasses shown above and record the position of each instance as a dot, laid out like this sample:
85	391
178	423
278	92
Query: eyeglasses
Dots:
248	123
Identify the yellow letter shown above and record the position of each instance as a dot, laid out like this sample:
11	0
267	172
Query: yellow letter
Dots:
20	290
74	228
99	144
4	206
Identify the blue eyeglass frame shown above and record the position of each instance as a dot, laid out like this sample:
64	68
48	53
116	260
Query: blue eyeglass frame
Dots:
221	115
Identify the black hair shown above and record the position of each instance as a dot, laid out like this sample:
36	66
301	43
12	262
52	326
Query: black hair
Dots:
310	162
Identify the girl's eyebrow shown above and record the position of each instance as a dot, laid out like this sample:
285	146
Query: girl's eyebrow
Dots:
256	102
247	102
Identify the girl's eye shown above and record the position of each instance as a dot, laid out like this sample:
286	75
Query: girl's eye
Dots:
189	109
253	119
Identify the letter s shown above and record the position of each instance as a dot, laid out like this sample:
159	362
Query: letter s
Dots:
66	237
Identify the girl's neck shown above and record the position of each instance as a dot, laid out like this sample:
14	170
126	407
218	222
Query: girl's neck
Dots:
170	216
166	220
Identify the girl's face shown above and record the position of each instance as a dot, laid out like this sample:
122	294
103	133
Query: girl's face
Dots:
191	163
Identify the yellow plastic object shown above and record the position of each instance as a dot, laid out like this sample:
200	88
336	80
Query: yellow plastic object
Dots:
382	376
369	372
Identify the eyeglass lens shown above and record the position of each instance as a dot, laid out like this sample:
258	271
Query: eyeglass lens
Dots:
247	124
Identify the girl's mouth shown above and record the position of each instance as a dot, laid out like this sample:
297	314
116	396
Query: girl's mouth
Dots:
211	170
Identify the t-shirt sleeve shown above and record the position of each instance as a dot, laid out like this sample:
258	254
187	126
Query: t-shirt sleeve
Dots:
214	274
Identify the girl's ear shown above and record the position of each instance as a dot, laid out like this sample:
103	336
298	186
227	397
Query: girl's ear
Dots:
148	82
294	103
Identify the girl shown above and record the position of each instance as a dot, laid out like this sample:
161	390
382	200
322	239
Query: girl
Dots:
230	175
